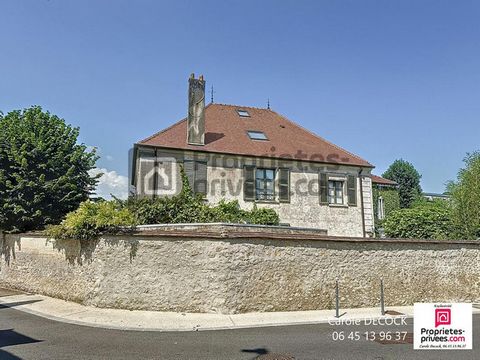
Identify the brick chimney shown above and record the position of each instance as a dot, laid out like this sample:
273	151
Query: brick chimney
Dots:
196	111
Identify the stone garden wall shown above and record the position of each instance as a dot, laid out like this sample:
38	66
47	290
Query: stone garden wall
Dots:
234	269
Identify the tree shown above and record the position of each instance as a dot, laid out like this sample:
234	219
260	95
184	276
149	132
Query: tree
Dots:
43	170
465	198
408	179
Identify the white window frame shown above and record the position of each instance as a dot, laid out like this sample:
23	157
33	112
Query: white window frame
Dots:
338	185
381	208
261	191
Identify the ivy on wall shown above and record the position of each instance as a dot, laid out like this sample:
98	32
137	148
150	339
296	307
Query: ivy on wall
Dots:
391	200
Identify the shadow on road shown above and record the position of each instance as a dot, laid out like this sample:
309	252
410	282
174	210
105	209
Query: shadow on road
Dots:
258	351
265	354
18	303
7	356
10	337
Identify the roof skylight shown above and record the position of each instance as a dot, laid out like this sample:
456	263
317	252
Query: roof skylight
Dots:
257	135
243	113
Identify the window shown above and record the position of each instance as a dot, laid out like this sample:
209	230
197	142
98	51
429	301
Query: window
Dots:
335	192
338	189
264	184
243	113
257	135
381	209
260	184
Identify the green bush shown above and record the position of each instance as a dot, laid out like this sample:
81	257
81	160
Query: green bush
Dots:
93	219
167	210
189	208
192	209
228	212
263	216
427	220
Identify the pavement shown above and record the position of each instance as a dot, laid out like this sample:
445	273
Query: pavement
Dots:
29	337
108	335
73	313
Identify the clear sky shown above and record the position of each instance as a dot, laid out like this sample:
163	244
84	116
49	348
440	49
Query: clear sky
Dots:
383	79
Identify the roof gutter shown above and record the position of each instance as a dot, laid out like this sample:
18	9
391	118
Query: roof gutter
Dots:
203	150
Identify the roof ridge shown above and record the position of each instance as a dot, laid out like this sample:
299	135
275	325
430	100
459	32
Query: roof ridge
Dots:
241	106
322	139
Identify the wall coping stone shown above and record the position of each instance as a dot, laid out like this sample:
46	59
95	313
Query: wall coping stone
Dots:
211	231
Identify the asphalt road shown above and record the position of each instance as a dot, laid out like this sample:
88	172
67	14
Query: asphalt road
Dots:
26	336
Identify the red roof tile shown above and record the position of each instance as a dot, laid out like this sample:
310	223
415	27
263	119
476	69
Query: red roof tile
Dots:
226	132
382	181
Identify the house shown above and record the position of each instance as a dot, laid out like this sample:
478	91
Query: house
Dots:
257	156
435	196
385	196
383	183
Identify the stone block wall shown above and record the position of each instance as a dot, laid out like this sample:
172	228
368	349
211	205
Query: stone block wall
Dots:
239	271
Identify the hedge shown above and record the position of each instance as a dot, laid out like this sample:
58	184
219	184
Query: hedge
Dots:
424	221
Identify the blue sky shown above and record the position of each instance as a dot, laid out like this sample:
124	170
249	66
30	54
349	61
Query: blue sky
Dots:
384	79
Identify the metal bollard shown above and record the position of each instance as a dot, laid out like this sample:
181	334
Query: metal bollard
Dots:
337	301
382	298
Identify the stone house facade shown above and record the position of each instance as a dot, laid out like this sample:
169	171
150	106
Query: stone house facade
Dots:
257	156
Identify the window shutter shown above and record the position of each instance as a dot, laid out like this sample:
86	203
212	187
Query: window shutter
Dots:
249	183
200	186
284	185
352	190
189	168
323	188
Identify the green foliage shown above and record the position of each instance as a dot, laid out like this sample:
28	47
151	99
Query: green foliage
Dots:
179	209
228	212
189	208
391	200
263	216
427	220
93	219
43	171
408	179
465	198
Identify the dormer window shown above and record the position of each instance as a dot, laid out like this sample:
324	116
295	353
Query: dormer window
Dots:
243	113
256	135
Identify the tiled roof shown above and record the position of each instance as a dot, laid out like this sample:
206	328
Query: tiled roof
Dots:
226	132
382	181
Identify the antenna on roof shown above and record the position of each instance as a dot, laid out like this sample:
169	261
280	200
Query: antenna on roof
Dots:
211	94
268	104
